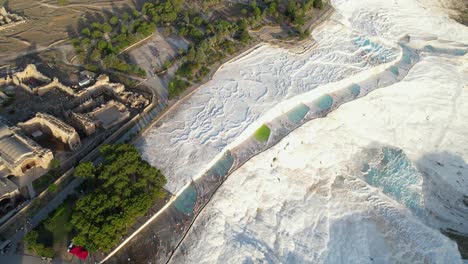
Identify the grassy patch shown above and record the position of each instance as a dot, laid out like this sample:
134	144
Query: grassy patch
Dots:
51	237
262	134
58	224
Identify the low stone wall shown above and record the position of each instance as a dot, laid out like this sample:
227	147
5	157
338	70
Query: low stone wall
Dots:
55	84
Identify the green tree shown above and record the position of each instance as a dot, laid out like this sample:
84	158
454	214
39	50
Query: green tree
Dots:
97	34
95	55
86	32
53	188
200	56
126	186
62	2
31	239
125	16
96	26
101	44
85	170
106	27
191	54
114	20
318	4
272	8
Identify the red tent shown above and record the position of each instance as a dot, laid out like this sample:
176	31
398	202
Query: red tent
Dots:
79	252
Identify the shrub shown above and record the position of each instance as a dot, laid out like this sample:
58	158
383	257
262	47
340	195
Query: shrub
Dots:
53	188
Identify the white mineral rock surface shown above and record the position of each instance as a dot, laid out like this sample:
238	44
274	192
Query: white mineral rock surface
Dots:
372	182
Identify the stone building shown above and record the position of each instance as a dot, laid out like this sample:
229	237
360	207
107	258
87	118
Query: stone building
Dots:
116	90
110	114
19	153
52	126
82	122
34	82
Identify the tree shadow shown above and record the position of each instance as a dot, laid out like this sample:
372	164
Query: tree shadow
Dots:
31	57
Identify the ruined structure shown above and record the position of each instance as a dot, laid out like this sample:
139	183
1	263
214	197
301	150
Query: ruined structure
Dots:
110	114
4	80
82	122
116	90
34	82
8	20
19	153
53	126
85	108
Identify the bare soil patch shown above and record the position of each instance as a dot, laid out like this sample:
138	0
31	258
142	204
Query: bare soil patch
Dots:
49	23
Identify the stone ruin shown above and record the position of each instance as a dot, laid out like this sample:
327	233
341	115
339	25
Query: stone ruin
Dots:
85	109
54	127
34	82
117	90
18	153
44	84
8	20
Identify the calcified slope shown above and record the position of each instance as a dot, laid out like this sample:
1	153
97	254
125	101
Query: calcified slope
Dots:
373	181
336	189
186	142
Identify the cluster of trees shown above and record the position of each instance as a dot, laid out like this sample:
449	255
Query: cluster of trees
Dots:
163	12
176	87
294	11
119	190
297	9
99	44
210	39
33	243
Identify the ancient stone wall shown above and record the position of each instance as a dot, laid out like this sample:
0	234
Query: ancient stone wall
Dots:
110	114
82	122
5	80
55	127
29	72
14	156
8	20
55	84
